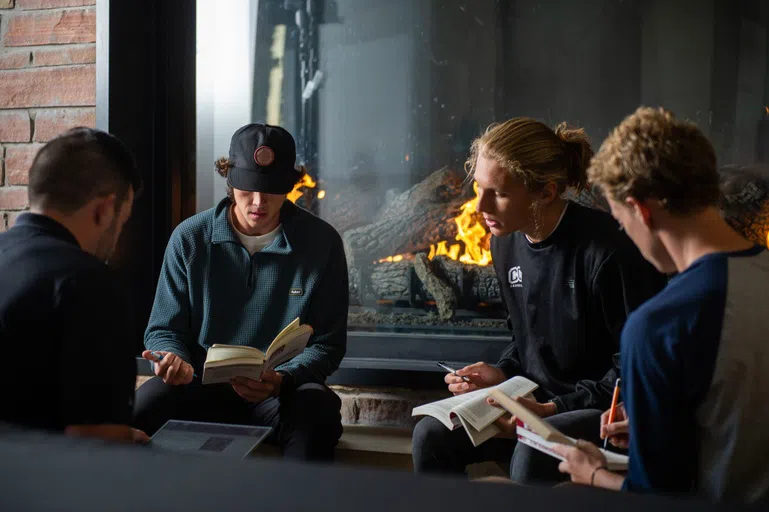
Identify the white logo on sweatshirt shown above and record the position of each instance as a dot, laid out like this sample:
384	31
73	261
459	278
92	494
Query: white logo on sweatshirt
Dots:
515	277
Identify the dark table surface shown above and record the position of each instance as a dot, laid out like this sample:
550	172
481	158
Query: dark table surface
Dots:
44	472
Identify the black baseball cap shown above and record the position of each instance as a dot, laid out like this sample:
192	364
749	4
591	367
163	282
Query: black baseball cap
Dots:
262	159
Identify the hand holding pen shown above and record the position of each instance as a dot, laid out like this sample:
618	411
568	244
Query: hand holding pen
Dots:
615	427
451	370
171	368
475	376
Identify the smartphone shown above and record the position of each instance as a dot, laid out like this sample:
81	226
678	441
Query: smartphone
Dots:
451	370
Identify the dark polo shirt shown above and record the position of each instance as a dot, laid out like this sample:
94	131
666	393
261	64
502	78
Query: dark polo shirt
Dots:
64	331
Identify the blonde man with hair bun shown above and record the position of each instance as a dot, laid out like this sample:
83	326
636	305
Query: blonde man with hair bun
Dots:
695	363
569	278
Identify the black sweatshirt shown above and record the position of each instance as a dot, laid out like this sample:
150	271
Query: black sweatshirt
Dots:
568	298
65	331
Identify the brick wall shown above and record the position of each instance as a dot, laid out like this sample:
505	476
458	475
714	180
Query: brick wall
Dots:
47	84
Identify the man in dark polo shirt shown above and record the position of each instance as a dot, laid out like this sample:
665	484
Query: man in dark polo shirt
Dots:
64	326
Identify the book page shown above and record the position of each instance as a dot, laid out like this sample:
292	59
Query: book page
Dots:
215	375
478	437
219	353
442	410
286	330
478	413
290	345
615	461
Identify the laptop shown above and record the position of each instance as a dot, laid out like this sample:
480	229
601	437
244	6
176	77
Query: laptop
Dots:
220	439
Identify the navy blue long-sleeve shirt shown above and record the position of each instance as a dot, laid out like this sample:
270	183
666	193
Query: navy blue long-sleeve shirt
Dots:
695	373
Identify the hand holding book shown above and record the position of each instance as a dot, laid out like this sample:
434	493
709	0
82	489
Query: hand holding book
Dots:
256	391
507	424
580	458
582	462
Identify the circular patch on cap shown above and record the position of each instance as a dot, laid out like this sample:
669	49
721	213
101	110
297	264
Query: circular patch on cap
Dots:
264	155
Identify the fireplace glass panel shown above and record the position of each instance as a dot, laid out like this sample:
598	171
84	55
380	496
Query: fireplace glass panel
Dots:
385	97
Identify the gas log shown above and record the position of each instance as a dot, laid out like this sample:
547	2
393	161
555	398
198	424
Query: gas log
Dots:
350	206
399	281
744	201
441	291
409	222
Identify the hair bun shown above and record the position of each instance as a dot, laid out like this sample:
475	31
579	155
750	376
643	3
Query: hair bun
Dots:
579	154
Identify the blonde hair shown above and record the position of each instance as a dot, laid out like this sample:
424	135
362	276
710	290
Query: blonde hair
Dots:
534	152
653	155
222	167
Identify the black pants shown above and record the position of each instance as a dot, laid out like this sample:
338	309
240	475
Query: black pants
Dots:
436	449
306	422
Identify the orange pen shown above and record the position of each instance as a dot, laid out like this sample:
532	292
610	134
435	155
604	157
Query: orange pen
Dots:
613	409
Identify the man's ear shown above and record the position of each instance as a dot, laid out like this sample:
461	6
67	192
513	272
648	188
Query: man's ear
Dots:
103	210
641	211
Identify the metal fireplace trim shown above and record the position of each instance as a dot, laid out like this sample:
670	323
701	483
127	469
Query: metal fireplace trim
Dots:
409	359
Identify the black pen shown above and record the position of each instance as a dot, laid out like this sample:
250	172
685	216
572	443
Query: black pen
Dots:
451	370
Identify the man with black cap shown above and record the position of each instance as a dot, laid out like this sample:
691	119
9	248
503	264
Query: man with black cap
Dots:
238	274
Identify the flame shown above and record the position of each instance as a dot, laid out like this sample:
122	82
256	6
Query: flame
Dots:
396	258
443	250
321	194
766	109
470	232
295	194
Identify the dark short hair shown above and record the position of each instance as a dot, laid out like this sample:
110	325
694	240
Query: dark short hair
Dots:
79	165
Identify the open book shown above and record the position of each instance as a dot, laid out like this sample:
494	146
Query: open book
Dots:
225	362
538	433
471	410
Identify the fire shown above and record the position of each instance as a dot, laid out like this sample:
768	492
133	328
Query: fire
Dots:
443	250
307	182
391	259
470	232
766	109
